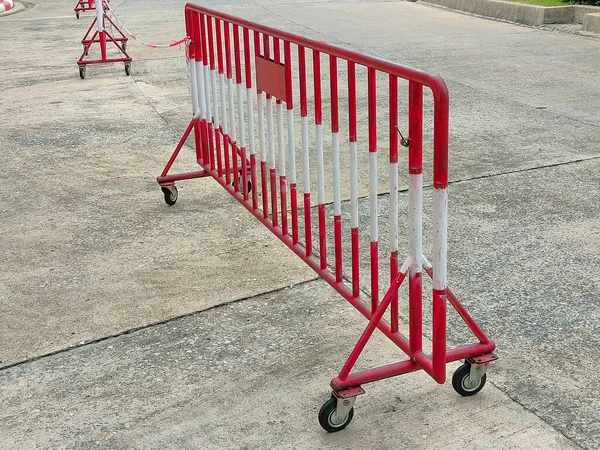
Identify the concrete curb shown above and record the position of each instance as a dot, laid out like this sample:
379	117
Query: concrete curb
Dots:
591	23
520	12
6	5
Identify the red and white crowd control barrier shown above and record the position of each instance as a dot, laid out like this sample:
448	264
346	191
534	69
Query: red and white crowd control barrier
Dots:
98	34
6	5
228	56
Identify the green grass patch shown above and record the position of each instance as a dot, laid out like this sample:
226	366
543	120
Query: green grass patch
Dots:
545	2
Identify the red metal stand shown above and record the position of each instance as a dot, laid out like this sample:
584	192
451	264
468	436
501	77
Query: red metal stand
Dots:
84	5
101	36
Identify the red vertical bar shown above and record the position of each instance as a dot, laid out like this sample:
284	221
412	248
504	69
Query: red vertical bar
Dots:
224	109
440	142
352	139
393	160
304	114
302	70
211	52
272	173
333	81
238	56
206	126
337	219
372	106
318	121
248	68
227	48
322	237
238	81
438	353
289	104
317	77
263	165
415	166
197	58
234	147
352	101
247	65
266	52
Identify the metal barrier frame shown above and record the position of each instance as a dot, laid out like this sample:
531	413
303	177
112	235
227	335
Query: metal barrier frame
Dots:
214	132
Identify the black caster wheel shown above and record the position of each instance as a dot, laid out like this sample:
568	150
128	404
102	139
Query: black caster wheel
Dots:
77	14
463	385
329	419
241	183
82	72
170	195
128	68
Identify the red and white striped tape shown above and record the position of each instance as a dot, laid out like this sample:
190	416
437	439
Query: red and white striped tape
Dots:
6	5
122	27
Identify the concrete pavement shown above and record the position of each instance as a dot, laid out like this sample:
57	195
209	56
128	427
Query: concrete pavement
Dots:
89	249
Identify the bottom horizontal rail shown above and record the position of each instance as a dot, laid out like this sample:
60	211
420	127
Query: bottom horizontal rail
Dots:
182	176
101	61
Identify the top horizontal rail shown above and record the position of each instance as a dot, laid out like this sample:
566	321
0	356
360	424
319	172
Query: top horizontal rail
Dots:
434	82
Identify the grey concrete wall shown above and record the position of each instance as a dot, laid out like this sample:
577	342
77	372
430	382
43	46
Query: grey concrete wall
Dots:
580	11
591	23
519	12
513	12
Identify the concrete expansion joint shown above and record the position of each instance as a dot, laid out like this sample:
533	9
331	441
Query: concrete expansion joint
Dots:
152	325
524	406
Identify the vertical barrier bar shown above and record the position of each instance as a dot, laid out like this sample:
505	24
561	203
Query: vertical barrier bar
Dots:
192	61
291	145
240	105
440	242
372	101
207	135
225	127
271	141
280	146
250	107
335	159
320	166
231	104
261	135
415	212
199	91
394	197
100	26
353	178
215	98
305	156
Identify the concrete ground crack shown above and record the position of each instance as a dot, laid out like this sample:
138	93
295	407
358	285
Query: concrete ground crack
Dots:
153	324
515	400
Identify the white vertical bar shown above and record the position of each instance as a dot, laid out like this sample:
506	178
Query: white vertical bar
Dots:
194	83
223	103
415	220
354	184
240	101
440	244
232	133
99	15
261	126
280	139
200	86
213	78
335	159
271	133
305	159
373	195
320	166
291	147
250	119
394	209
208	95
